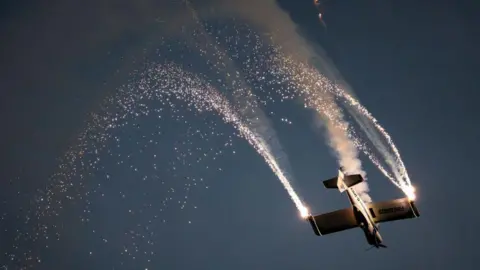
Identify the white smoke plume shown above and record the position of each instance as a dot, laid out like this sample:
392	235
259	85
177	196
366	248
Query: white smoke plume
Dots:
346	152
267	16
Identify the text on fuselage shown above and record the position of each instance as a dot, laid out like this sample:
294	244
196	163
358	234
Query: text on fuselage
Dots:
391	210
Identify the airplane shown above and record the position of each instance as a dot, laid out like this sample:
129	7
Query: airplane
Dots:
366	216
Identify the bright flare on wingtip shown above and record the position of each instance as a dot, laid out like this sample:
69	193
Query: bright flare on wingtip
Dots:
304	212
410	192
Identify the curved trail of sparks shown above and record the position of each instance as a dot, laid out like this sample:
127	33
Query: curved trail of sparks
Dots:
221	106
374	160
250	109
204	96
374	137
309	82
353	102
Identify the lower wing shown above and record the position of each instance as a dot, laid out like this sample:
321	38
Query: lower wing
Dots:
333	222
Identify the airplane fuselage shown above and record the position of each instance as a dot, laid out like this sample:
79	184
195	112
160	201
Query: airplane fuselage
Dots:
361	214
364	219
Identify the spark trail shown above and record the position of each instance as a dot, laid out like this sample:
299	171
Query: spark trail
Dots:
307	81
205	96
339	141
260	131
336	133
337	128
398	166
269	17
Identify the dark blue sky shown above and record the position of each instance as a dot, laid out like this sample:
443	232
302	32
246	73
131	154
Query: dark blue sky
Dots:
411	64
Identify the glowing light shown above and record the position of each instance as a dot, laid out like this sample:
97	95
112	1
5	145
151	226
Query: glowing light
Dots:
304	212
410	192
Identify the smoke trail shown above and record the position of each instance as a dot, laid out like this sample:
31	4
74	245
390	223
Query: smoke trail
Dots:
399	170
374	137
268	16
260	128
302	77
347	154
361	146
221	106
364	119
316	92
261	125
337	133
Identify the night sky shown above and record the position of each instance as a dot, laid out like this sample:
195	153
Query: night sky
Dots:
411	63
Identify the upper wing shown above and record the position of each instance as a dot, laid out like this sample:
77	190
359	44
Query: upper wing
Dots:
392	210
332	222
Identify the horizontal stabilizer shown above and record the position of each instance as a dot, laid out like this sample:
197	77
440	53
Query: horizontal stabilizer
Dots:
352	180
348	181
330	183
392	210
332	222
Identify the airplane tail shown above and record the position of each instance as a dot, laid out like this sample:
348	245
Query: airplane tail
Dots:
343	182
377	246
